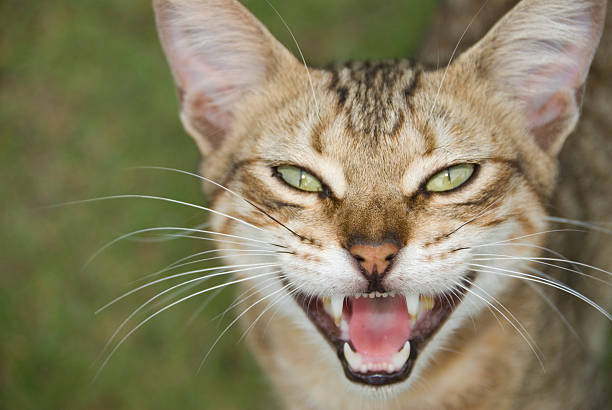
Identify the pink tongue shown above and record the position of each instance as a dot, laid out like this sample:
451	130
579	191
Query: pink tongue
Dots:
379	327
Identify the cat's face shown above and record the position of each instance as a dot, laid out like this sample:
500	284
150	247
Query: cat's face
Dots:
382	186
373	164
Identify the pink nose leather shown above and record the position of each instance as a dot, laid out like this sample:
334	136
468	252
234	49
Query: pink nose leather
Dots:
374	259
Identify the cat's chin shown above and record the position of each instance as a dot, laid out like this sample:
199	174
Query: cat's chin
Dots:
378	336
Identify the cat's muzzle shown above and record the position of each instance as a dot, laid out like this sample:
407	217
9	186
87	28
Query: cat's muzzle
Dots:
378	336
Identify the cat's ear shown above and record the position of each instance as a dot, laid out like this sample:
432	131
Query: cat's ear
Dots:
540	54
219	54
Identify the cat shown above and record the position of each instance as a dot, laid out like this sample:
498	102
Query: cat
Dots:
404	207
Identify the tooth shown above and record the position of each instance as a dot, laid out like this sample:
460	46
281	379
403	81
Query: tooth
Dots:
336	308
412	303
372	295
390	368
327	305
399	359
353	358
358	295
427	302
392	294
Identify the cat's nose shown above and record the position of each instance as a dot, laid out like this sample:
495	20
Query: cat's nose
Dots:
374	259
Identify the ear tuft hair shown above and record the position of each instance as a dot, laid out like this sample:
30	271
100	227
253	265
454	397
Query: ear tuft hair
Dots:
218	53
540	53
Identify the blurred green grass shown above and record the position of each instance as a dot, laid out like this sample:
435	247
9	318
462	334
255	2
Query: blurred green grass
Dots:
85	94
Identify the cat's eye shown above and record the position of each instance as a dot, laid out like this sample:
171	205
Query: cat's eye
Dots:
450	178
300	179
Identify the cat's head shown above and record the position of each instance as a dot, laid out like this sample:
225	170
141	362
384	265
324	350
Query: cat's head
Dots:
395	200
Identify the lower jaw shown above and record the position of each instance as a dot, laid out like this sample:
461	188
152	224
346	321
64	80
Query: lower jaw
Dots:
378	379
445	304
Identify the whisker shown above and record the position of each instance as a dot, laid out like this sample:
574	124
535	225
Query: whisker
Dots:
545	281
246	266
244	240
231	192
234	321
246	295
575	222
314	95
532	235
555	309
533	349
541	261
482	213
195	255
197	281
270	306
205	238
184	287
193	230
170	306
180	265
158	198
203	306
529	245
164	238
452	58
509	313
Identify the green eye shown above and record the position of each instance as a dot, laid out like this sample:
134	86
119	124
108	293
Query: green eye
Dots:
450	178
300	179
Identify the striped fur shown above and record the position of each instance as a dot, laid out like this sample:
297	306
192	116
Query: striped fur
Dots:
373	133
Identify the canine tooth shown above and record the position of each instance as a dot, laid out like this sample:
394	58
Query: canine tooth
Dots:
336	308
353	358
357	295
399	359
427	302
412	303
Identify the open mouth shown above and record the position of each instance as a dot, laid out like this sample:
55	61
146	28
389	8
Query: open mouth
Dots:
378	336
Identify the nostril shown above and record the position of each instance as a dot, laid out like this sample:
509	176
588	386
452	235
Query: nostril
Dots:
374	259
359	258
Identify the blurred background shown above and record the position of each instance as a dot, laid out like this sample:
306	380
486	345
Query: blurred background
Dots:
85	95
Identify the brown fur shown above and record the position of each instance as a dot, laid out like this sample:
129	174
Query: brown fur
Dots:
380	131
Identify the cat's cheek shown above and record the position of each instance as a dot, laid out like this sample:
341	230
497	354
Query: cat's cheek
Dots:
415	272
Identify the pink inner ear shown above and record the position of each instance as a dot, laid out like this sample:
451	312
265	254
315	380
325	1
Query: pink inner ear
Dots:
218	53
546	109
551	95
207	96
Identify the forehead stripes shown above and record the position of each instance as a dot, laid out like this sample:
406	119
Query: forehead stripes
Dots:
375	95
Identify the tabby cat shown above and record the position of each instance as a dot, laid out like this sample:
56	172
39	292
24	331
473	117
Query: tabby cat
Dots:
403	209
